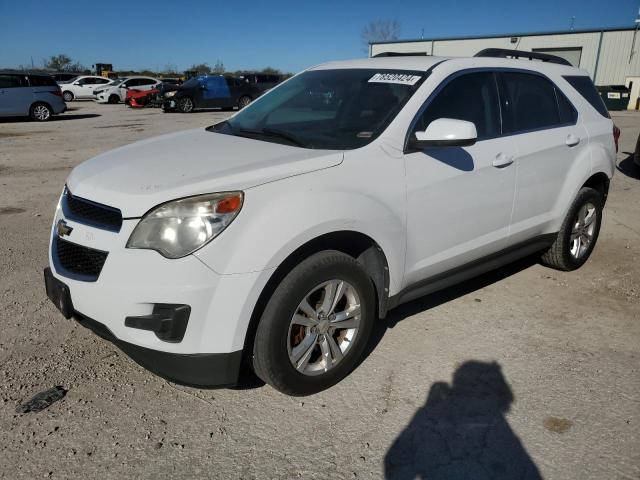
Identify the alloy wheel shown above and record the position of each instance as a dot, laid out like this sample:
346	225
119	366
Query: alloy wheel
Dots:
324	327
583	230
41	112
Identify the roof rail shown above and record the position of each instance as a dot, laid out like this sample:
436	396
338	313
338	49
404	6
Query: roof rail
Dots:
506	53
400	54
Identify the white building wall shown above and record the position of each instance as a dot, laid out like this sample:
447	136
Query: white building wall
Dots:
612	68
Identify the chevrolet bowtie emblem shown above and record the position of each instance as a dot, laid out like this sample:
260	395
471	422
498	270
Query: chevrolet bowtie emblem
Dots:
63	229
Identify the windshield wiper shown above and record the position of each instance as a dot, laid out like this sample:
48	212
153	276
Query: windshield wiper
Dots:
272	132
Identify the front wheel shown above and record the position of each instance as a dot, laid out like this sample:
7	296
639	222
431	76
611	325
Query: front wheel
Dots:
113	99
185	105
316	325
578	234
68	96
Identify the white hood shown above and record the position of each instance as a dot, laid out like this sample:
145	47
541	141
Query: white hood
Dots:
137	177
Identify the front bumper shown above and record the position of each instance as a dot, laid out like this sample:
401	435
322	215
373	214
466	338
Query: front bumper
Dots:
169	104
122	302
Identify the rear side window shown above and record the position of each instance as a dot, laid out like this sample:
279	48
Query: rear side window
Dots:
472	97
146	81
587	89
13	81
531	102
42	81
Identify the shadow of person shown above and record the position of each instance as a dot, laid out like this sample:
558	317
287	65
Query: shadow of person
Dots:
462	433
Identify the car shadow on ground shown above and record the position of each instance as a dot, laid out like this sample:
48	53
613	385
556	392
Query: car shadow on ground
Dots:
443	296
628	167
55	118
461	432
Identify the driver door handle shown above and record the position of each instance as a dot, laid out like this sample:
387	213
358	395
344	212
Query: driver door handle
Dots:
502	160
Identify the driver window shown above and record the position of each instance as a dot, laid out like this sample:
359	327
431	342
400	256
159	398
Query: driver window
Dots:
472	97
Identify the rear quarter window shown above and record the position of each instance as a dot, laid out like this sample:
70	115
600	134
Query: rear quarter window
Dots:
587	89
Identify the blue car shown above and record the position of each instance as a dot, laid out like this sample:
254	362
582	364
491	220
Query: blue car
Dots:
25	94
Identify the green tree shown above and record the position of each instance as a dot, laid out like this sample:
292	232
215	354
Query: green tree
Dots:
59	63
201	68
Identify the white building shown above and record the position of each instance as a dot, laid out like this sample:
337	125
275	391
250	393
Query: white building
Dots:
610	56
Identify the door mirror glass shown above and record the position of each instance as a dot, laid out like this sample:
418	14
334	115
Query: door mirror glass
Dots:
446	132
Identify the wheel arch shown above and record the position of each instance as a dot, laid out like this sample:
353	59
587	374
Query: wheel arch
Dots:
355	244
599	181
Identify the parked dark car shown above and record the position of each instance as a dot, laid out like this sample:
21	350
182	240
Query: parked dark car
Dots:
25	94
65	77
210	91
263	81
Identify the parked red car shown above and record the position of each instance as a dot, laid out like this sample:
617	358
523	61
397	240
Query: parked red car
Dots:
140	98
149	98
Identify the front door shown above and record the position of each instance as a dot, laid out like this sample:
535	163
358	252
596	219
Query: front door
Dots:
459	199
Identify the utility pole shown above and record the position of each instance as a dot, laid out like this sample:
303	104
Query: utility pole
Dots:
635	34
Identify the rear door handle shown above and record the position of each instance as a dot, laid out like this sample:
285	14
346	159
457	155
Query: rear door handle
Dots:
572	140
502	160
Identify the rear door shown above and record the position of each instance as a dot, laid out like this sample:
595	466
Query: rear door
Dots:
16	95
548	138
85	88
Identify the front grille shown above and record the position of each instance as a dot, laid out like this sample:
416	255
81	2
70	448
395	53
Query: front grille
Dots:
91	213
76	261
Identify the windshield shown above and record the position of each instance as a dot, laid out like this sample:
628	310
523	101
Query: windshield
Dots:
192	82
117	81
326	109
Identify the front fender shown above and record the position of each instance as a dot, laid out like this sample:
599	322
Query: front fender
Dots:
278	218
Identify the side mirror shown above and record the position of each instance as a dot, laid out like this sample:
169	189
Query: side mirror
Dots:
445	132
77	83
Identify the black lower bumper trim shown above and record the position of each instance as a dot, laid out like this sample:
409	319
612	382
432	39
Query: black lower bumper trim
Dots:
203	370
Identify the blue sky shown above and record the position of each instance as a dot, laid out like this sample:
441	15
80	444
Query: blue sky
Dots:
289	35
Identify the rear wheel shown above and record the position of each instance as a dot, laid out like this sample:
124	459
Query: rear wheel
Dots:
68	96
40	112
185	105
243	102
114	99
316	325
578	233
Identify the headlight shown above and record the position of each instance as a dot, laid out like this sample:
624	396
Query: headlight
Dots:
170	94
180	227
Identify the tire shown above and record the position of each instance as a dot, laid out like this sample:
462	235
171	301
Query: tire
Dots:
40	112
569	253
244	101
279	340
68	96
113	99
185	105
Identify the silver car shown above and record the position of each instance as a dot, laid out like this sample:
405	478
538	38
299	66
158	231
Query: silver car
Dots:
35	95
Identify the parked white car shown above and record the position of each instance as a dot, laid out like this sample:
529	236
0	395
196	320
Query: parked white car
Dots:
116	91
280	236
82	87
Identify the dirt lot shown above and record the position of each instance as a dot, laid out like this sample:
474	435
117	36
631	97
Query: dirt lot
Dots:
546	364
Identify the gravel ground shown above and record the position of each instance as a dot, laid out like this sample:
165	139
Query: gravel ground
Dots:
525	372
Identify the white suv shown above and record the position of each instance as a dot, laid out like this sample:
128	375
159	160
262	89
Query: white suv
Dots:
82	87
116	91
277	238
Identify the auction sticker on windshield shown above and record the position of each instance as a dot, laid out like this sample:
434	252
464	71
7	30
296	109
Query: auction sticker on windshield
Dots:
400	78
